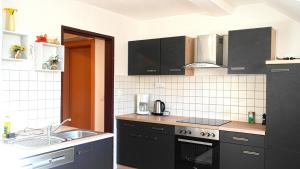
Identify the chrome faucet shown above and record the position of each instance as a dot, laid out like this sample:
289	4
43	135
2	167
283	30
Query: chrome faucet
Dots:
50	130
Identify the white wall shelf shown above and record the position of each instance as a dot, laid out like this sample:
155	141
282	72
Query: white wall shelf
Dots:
44	51
14	38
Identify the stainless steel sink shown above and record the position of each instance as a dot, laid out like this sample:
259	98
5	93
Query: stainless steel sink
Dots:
36	142
76	134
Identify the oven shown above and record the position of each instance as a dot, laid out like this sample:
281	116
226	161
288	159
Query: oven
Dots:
197	148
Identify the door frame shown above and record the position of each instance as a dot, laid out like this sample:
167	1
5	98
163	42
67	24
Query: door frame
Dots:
109	73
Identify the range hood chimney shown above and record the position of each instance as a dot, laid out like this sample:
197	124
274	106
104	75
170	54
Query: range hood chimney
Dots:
208	52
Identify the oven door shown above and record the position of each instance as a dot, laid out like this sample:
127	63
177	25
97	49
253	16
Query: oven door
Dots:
197	153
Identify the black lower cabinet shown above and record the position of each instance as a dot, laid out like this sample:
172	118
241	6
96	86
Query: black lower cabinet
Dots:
241	157
241	151
95	155
145	145
280	159
283	114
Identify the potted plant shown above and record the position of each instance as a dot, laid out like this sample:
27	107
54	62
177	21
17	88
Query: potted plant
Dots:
17	51
53	62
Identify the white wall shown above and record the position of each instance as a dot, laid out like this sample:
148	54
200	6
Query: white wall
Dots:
250	16
47	16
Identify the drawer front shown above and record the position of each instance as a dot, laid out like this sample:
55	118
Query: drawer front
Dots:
234	156
242	138
160	129
146	127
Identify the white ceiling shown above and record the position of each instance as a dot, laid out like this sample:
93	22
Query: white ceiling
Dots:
151	9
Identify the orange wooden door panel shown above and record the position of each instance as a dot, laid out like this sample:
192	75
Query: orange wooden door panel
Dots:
79	90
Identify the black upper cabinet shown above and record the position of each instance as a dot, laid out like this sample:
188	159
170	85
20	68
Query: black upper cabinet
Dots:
144	57
249	49
173	56
166	56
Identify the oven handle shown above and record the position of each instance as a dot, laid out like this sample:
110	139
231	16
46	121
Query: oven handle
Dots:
195	142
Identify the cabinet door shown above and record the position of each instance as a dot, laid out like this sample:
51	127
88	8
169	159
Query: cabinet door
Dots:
248	50
84	156
94	155
233	156
283	86
158	151
129	144
281	159
103	154
144	57
173	56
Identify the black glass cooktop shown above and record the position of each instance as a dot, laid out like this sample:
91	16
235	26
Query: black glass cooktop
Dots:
203	121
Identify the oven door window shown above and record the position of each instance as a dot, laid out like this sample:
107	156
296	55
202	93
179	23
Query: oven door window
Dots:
195	153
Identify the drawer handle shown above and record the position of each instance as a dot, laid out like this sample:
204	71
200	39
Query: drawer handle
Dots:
175	70
251	153
129	125
158	129
279	70
238	68
240	139
151	70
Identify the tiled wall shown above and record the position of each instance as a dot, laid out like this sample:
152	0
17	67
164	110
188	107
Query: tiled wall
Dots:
30	98
228	97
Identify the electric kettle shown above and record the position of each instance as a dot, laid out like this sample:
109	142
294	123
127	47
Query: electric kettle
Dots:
159	108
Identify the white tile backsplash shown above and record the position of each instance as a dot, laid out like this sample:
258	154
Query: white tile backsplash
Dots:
207	95
30	98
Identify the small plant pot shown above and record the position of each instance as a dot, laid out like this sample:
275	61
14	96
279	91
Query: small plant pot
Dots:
18	54
53	67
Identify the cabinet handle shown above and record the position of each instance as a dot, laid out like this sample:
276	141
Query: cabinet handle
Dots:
80	152
279	70
129	125
240	139
251	153
151	70
175	70
237	68
158	128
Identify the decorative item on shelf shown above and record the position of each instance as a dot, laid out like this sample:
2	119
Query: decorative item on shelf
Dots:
251	117
53	41
10	19
41	38
53	62
17	51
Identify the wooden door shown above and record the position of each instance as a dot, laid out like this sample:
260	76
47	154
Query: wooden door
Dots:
79	83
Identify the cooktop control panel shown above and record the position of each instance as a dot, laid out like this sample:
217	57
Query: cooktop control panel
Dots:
197	132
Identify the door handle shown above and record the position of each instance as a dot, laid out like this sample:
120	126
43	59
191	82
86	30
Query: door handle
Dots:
279	70
251	153
175	70
158	128
237	68
151	70
195	142
240	139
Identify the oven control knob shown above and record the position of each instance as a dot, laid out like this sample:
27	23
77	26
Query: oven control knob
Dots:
213	135
189	132
208	134
181	131
202	133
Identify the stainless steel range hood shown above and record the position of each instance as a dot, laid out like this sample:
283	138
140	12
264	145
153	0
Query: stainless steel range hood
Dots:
208	52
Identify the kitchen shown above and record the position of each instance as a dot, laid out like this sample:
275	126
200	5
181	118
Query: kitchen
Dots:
212	93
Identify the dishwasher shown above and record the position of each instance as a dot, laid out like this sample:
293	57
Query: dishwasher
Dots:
49	160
